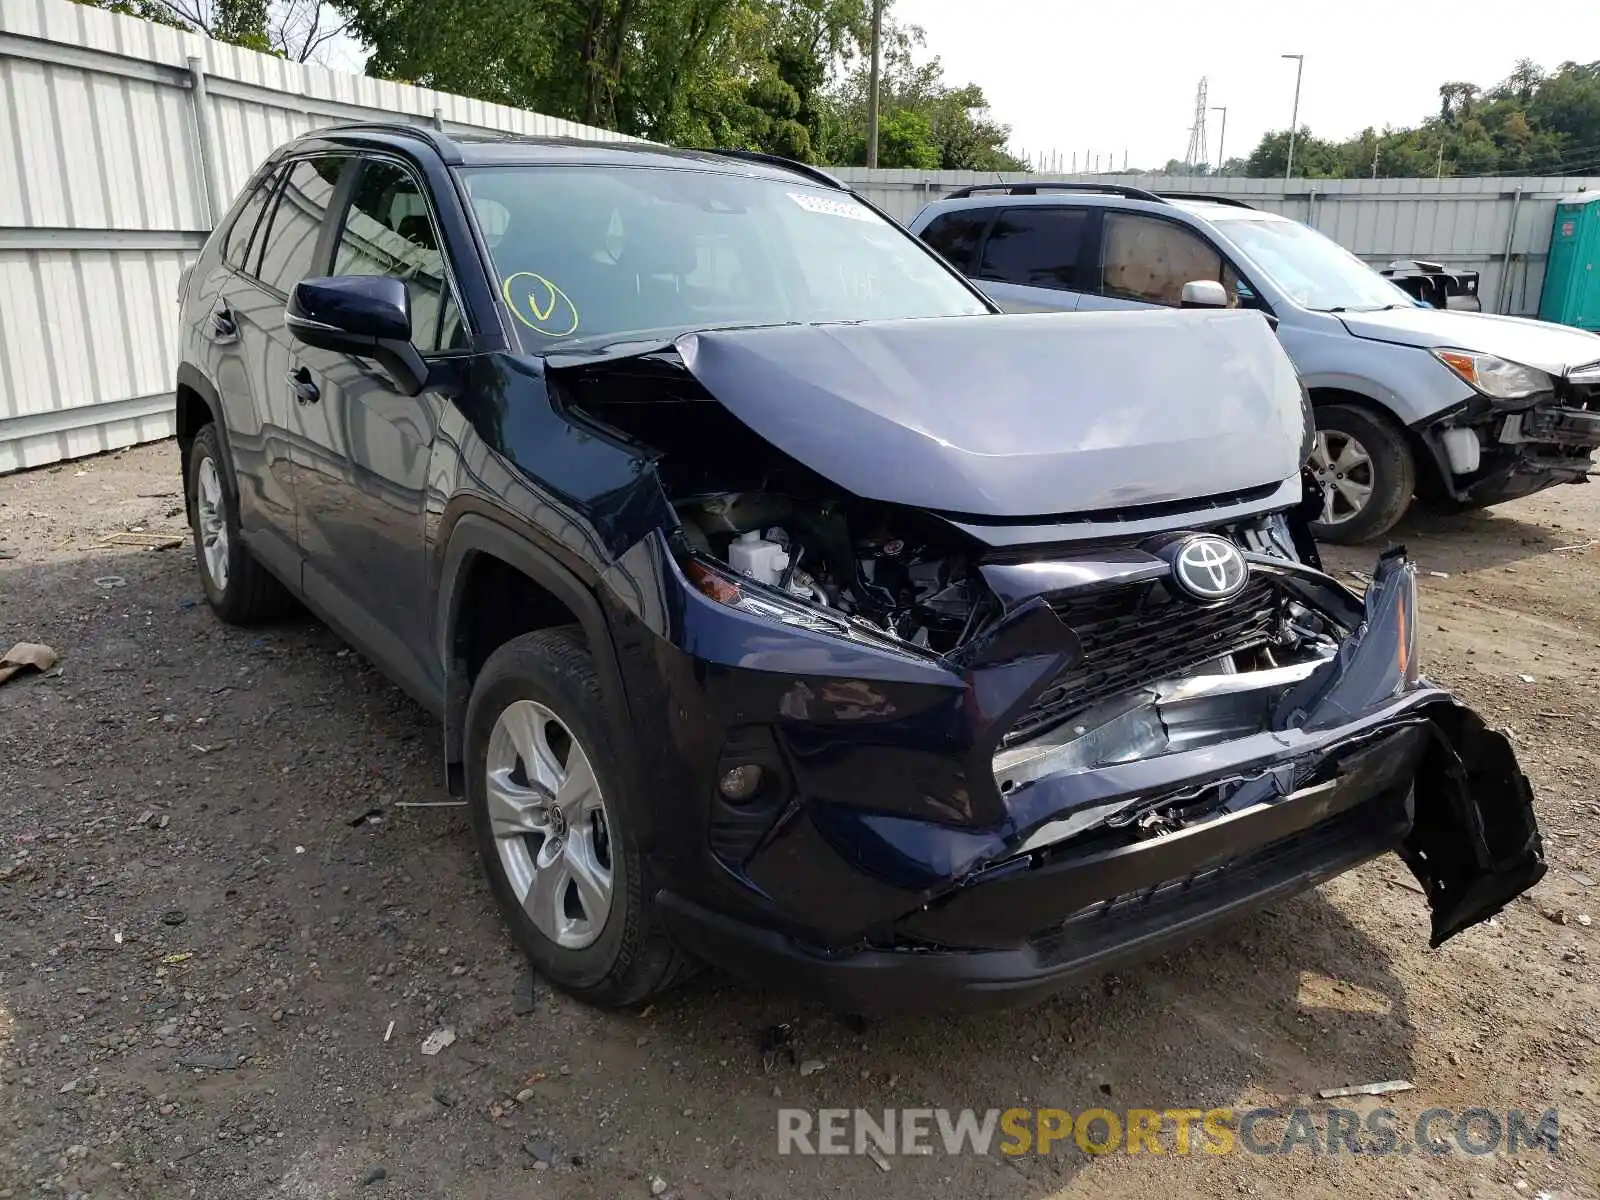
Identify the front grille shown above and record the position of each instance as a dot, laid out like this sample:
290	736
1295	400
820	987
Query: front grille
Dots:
1134	636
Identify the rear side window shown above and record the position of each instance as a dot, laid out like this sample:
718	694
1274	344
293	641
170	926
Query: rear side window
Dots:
235	251
1036	247
289	247
1146	258
388	231
957	236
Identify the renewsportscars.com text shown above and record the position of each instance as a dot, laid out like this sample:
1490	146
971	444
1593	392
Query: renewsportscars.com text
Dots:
1213	1131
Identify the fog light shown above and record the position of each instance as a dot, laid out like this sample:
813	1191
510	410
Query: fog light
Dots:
740	783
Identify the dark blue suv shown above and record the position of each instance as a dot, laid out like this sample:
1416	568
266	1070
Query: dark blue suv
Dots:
784	606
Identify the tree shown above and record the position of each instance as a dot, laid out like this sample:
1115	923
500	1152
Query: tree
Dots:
905	139
1530	123
961	129
293	29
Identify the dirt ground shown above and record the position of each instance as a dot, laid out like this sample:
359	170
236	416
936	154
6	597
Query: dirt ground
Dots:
213	907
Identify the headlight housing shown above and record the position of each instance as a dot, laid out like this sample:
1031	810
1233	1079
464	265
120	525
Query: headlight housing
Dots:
716	582
1495	376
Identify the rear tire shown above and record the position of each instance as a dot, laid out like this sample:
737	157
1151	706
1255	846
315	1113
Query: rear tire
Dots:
1365	469
239	589
554	833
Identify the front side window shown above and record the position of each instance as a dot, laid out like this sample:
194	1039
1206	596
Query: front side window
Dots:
1036	247
290	243
1311	269
957	236
387	231
1147	258
235	251
597	254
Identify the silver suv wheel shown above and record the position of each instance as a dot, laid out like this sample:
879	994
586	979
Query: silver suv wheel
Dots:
549	824
1343	467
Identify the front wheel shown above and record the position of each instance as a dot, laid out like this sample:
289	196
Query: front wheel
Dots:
1364	467
546	789
239	589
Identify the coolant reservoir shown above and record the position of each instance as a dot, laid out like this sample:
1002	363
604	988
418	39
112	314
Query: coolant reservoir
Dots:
751	554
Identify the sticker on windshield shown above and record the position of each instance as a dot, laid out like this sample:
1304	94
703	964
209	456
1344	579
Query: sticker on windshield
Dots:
828	206
540	304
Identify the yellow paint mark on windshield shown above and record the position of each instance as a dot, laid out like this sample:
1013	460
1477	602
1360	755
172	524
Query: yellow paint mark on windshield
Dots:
539	304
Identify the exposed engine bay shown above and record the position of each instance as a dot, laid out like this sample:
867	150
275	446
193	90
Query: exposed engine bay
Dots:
760	529
884	573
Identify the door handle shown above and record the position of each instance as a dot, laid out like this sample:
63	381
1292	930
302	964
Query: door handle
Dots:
224	328
305	388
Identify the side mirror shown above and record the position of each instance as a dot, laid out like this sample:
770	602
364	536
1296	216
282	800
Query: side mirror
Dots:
368	316
1203	293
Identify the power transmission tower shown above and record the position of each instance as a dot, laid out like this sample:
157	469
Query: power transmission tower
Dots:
1197	132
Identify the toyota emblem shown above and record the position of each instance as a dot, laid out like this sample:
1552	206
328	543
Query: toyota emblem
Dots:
1209	568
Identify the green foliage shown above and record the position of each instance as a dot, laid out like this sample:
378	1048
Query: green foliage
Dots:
787	77
959	128
1532	123
145	10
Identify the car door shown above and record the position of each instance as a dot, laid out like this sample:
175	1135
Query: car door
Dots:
1145	260
233	332
363	450
284	250
1034	257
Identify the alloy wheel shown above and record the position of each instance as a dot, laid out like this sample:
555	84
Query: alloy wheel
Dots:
211	506
549	824
1344	469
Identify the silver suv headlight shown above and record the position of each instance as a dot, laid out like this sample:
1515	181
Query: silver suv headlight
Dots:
1495	376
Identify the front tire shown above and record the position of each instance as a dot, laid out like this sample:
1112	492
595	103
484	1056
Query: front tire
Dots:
1365	469
547	792
239	589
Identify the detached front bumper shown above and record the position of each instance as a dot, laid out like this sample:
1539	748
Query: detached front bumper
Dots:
855	900
1498	455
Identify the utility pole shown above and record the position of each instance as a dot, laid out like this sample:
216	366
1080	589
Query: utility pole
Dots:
1377	145
1439	174
872	91
1294	119
1197	132
1222	137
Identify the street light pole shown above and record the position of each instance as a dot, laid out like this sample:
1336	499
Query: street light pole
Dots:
1222	138
872	92
1294	120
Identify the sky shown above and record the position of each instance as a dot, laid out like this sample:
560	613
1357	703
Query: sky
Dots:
1090	77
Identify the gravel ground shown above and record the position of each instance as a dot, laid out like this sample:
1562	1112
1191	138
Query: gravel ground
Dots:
225	939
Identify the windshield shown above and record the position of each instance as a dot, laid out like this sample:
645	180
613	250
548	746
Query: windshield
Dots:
1317	273
599	254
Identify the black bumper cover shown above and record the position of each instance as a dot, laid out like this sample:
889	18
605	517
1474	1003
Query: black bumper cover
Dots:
1366	764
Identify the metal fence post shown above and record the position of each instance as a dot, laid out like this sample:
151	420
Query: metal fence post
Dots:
211	181
1502	290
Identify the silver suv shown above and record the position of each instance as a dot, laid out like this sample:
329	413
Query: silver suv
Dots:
1463	410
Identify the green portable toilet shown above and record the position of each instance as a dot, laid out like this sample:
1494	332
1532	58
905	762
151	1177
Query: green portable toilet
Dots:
1571	293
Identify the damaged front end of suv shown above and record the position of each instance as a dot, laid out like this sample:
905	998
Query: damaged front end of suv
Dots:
970	655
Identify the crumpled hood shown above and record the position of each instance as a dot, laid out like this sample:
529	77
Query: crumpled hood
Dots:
1019	416
1554	349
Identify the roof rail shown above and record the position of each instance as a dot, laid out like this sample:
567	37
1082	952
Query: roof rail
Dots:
1208	198
1033	189
438	139
777	160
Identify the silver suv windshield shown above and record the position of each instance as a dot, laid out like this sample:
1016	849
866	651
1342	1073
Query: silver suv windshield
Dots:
590	255
1315	272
